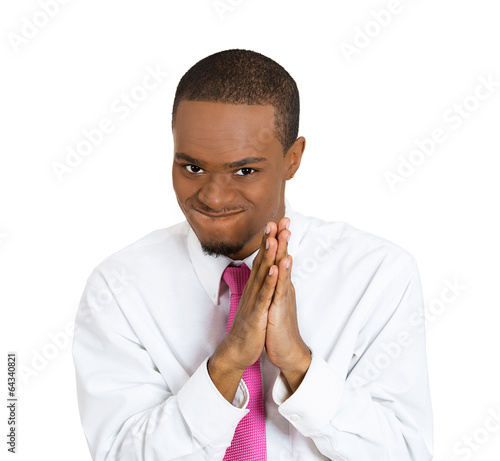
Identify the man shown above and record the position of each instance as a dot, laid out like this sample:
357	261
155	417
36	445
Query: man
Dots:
324	356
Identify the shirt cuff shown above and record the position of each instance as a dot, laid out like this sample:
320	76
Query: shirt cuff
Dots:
208	414
315	402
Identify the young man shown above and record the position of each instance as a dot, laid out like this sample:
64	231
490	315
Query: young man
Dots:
251	331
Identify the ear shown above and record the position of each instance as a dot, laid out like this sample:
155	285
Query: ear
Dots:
294	156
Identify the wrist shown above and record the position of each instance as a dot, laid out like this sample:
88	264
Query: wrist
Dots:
224	376
295	373
222	363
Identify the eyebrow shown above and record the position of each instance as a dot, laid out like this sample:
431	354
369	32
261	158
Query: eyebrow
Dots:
242	162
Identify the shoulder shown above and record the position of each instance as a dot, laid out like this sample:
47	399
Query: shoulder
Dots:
351	244
148	253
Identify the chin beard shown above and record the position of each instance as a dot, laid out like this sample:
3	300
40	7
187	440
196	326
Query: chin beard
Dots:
220	248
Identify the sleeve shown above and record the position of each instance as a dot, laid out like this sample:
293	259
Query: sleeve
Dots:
126	409
382	409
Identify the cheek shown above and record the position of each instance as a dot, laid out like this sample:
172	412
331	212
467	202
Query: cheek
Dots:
266	207
267	193
183	189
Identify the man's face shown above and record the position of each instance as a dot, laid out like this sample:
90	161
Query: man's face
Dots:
229	174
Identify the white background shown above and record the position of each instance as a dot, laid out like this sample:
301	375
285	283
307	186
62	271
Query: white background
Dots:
360	114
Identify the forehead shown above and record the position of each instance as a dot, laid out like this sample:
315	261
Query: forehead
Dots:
209	127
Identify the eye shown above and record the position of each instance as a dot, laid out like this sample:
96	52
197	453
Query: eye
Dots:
245	170
197	169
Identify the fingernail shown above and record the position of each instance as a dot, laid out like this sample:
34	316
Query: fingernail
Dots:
288	264
267	244
268	229
271	271
287	225
288	238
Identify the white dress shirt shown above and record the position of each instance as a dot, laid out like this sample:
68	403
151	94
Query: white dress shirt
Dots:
153	313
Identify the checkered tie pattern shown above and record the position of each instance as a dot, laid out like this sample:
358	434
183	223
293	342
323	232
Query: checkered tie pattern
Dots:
249	440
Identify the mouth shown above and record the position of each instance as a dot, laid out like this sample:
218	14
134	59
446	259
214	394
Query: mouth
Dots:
219	215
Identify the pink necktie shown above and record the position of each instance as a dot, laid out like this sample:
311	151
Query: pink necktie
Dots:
249	441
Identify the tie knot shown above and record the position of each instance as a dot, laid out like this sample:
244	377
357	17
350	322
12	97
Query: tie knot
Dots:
236	278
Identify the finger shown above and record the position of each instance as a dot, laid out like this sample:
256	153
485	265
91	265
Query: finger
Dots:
291	288
261	271
283	239
280	293
260	254
266	293
284	223
262	250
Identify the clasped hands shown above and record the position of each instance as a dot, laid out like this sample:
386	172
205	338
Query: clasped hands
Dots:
266	317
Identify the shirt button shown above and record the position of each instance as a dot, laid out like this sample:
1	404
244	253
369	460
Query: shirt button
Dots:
295	417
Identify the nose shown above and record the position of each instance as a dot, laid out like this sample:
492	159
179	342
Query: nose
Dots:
216	192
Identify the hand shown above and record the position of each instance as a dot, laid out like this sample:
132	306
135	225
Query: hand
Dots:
244	343
284	345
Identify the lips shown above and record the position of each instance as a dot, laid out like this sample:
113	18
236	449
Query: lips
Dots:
219	215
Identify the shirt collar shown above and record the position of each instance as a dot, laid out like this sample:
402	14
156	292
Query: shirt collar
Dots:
209	269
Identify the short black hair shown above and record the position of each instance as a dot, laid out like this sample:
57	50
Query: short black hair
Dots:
244	77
